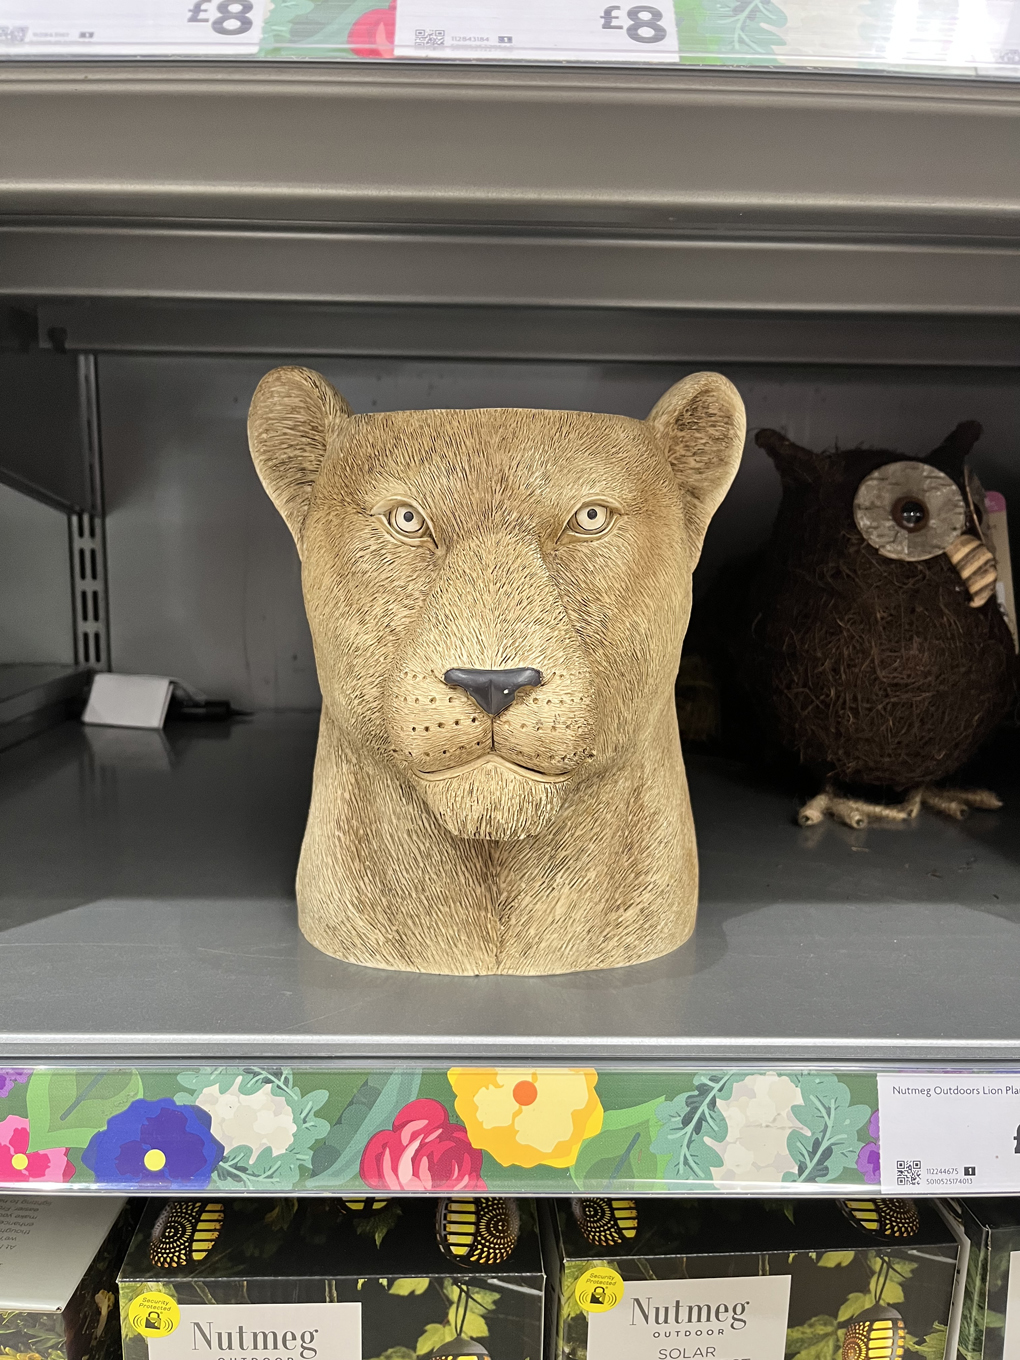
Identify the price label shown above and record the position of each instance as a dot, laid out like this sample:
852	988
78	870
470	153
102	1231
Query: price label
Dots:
950	1134
535	30
143	28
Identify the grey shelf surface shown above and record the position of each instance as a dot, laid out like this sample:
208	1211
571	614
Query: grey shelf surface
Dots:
484	186
146	913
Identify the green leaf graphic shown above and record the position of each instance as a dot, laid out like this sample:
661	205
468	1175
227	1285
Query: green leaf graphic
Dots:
884	1286
379	1224
468	1309
837	1258
809	1334
621	1152
434	1335
410	1286
715	31
336	1160
313	28
886	1278
66	1108
831	1143
749	29
687	1121
855	1303
933	1347
237	1172
828	1348
279	22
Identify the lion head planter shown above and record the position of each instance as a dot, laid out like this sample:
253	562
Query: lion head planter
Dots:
497	601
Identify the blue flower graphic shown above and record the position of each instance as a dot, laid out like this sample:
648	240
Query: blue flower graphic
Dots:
154	1144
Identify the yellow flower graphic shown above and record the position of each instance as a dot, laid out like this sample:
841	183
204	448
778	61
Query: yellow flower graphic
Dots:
528	1116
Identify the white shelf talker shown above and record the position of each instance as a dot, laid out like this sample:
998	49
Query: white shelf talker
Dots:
134	700
128	700
950	1133
119	28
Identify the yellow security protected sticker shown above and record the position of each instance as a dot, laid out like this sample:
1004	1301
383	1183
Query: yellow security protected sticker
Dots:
154	1314
599	1289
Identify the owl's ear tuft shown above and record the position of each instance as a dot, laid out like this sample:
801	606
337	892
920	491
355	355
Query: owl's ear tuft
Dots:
951	455
701	422
793	463
293	417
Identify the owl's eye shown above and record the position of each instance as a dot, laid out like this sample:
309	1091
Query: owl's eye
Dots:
909	510
910	514
590	519
408	521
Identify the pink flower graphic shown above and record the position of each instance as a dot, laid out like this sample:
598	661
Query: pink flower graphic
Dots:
422	1151
18	1164
373	34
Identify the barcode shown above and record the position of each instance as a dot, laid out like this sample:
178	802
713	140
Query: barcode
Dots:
13	33
430	37
908	1173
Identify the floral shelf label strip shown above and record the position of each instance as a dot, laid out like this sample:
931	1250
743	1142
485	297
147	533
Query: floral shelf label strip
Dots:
553	1130
548	1130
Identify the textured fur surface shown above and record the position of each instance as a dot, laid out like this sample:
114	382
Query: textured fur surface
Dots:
558	835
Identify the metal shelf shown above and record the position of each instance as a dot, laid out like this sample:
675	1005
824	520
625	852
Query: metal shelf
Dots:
147	920
160	870
139	325
629	189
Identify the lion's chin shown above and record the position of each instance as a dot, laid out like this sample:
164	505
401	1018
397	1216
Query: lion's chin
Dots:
490	802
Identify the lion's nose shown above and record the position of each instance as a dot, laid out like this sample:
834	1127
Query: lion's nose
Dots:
493	690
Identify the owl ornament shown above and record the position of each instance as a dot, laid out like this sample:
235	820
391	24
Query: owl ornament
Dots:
877	647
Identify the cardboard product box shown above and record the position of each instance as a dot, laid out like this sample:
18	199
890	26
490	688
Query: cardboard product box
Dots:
58	1276
719	1279
334	1279
989	1300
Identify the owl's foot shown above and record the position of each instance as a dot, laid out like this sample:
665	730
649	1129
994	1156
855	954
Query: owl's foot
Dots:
858	813
958	802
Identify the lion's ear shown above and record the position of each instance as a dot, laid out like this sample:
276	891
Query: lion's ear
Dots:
701	422
293	414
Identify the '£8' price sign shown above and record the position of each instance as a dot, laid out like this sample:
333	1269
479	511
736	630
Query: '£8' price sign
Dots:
644	22
229	17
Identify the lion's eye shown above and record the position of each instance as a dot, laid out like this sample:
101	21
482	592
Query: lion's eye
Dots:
590	519
407	520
